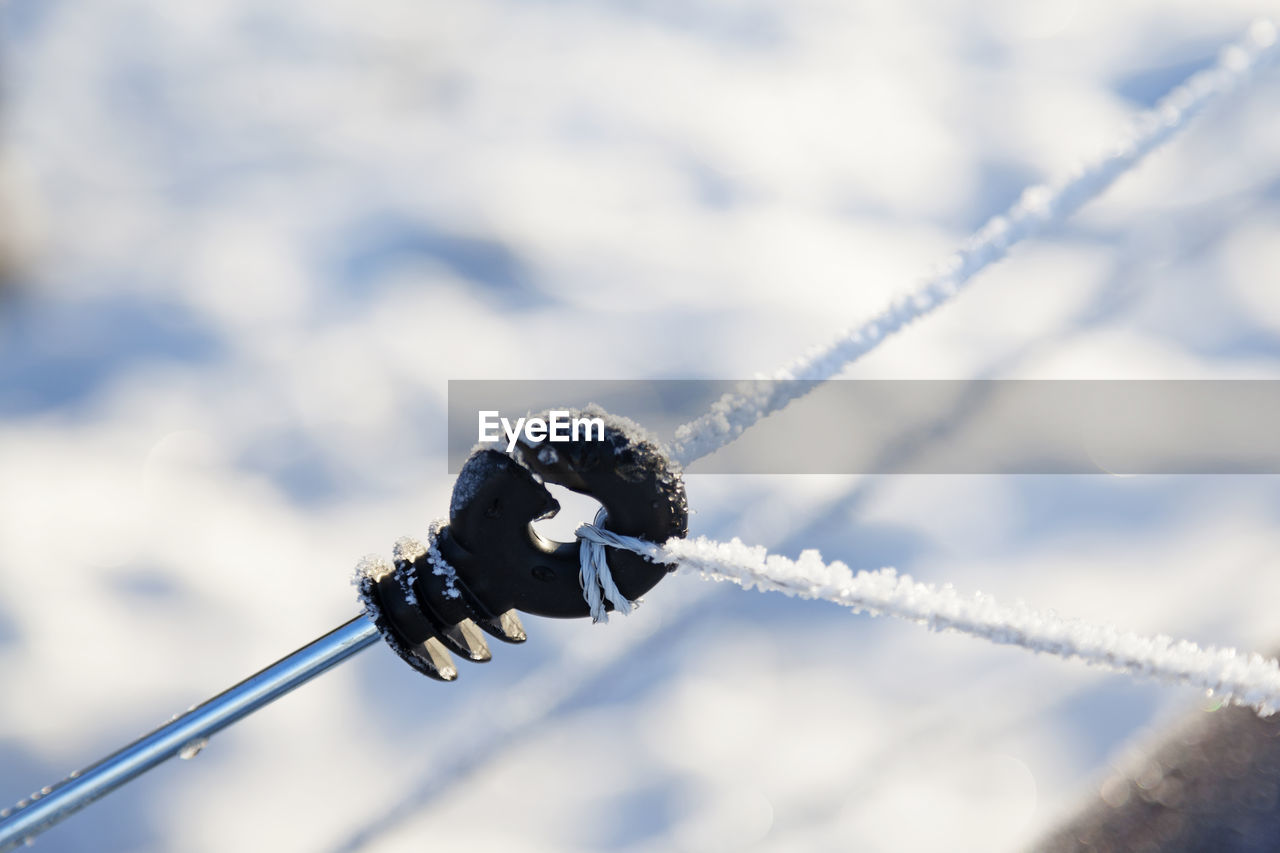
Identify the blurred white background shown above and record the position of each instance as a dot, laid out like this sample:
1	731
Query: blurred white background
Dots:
244	245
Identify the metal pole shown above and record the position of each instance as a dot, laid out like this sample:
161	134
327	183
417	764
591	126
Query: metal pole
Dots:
184	734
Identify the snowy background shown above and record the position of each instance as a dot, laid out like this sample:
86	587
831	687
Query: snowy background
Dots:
244	245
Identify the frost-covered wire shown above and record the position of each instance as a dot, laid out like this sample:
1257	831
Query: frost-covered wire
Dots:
1249	680
1038	208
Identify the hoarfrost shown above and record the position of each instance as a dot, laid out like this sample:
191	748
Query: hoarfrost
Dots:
474	472
407	549
1248	680
406	552
369	570
438	563
1038	208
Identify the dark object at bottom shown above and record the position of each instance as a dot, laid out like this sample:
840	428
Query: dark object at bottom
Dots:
1211	787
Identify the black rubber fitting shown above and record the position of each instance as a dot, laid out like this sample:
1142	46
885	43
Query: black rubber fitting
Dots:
493	563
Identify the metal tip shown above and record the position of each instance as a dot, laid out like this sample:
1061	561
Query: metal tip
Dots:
439	661
510	629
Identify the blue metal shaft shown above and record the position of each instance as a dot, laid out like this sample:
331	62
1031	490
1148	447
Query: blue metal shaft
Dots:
51	805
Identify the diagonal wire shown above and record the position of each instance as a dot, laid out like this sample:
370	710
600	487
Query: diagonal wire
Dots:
1040	207
1249	680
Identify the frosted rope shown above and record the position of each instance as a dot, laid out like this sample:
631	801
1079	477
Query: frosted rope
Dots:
1248	680
1039	207
596	578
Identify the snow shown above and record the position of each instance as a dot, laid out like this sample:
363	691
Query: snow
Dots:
474	471
370	567
440	566
405	553
407	549
1038	208
259	238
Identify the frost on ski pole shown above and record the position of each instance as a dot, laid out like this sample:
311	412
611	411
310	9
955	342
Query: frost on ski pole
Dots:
440	566
407	549
1241	679
478	468
406	552
429	656
1038	208
369	570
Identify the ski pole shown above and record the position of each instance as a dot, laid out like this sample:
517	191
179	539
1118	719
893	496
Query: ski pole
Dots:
184	735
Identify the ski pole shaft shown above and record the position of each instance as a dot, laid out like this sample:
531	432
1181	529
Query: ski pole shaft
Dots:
187	732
